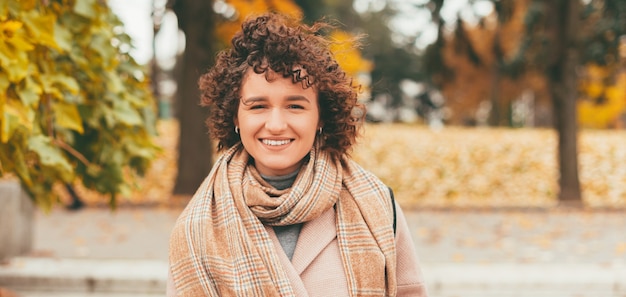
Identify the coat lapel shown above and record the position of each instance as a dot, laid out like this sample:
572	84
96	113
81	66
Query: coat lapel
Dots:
314	237
294	277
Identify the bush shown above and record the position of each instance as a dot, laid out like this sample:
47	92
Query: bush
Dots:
74	105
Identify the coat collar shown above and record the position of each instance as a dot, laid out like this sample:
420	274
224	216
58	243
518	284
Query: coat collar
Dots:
294	277
314	237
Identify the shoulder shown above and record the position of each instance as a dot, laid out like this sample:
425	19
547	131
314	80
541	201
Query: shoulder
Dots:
408	269
353	169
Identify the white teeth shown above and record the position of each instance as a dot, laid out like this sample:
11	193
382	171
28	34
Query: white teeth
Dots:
276	142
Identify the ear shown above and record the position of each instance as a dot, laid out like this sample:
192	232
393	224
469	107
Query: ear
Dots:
236	121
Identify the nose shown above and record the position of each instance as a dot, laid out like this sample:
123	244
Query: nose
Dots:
276	121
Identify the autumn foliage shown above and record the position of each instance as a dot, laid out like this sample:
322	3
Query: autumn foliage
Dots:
236	11
74	106
603	97
488	62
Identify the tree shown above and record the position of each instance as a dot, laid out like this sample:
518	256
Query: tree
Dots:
568	35
435	66
563	59
73	104
197	20
387	62
485	65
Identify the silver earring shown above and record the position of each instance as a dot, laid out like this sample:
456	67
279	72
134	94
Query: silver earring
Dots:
236	129
319	131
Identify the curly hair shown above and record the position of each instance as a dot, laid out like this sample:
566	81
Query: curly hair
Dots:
274	42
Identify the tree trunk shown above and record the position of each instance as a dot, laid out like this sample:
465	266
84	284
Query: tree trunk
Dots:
496	113
562	80
197	19
497	116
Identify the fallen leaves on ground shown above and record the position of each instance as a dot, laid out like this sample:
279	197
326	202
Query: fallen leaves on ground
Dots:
490	167
450	167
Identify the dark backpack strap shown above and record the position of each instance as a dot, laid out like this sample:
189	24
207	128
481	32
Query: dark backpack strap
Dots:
393	206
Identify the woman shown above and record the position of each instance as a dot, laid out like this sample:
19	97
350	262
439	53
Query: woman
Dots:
285	211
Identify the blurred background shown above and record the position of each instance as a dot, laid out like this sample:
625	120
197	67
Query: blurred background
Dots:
490	103
498	123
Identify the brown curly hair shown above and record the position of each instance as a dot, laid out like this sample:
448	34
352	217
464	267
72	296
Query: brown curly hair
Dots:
283	45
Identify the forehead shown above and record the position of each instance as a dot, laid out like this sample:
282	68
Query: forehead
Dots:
271	83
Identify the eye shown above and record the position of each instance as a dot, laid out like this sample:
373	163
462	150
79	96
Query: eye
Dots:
257	106
295	106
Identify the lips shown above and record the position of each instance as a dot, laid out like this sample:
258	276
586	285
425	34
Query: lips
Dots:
272	142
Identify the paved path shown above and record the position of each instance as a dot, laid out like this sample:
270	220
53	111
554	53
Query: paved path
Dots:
463	252
98	233
534	236
454	236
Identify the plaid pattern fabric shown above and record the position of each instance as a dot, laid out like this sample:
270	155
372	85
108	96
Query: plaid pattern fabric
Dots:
219	246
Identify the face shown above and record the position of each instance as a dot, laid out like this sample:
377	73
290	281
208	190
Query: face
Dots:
277	122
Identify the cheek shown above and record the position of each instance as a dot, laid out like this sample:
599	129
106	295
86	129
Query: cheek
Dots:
309	126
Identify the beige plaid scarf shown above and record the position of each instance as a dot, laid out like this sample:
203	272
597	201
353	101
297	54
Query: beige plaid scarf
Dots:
219	246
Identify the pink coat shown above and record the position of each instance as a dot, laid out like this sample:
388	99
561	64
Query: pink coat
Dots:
316	269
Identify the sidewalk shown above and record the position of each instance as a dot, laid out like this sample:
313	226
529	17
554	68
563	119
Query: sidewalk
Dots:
95	252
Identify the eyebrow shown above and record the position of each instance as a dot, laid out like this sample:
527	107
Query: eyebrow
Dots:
298	98
261	99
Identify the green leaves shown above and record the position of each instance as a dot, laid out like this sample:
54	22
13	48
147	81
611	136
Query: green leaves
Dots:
15	116
73	105
85	8
50	155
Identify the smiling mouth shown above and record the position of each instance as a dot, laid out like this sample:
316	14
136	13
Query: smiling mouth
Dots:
276	142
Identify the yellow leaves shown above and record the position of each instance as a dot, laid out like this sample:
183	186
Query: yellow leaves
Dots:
85	8
29	92
597	72
460	166
62	37
344	48
14	46
602	175
593	86
246	8
489	167
52	82
67	116
287	7
27	4
9	27
61	72
347	54
15	115
604	103
17	38
485	167
40	27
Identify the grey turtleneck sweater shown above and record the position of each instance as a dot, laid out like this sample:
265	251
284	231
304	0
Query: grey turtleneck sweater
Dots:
287	235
